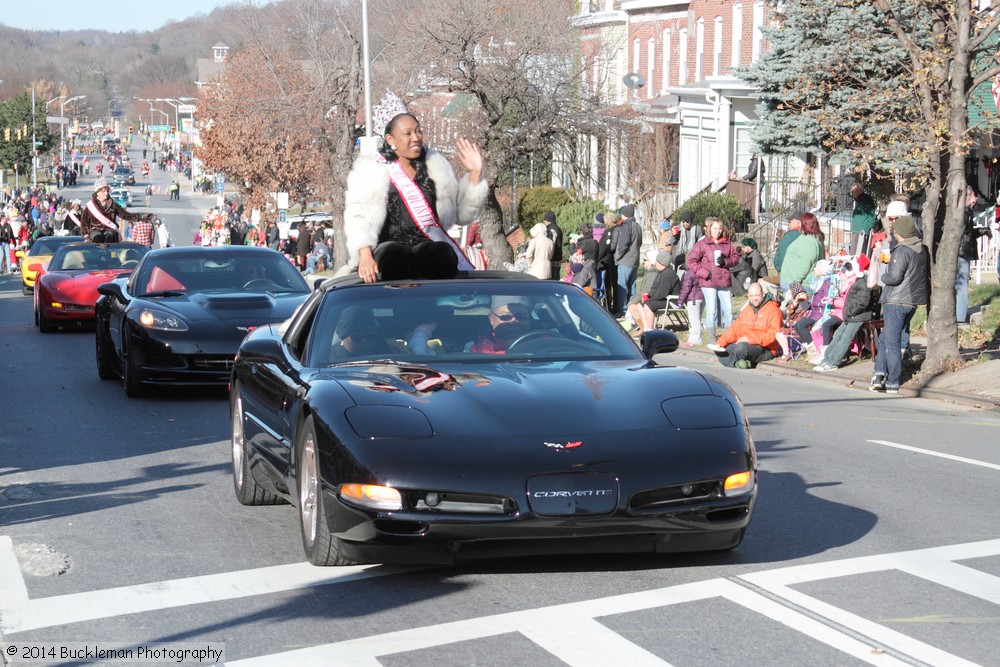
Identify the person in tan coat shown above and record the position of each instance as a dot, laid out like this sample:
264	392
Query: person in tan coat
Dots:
539	254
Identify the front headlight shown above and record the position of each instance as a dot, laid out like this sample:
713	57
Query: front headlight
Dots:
738	484
372	496
152	318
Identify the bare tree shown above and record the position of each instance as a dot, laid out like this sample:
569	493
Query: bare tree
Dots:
515	60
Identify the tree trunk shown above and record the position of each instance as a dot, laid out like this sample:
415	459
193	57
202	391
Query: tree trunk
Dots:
491	229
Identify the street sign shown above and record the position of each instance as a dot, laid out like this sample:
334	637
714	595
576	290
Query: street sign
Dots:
282	216
158	128
220	183
186	108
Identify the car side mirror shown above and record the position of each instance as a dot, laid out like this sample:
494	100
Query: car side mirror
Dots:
113	290
657	341
318	283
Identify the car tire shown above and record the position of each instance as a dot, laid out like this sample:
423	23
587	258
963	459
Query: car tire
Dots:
105	368
248	491
130	375
319	543
41	321
25	290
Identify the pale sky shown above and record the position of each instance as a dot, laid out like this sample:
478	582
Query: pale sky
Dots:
110	15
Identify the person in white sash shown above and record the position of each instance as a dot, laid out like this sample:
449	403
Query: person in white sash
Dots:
99	218
400	204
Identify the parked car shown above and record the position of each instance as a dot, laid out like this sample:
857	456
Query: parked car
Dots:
434	421
179	318
66	289
316	219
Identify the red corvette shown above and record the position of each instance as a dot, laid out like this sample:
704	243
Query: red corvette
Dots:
66	289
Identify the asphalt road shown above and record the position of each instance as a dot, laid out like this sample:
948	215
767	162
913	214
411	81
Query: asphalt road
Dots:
875	541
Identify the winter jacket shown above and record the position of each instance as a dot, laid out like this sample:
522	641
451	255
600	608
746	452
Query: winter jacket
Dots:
786	240
800	258
365	201
629	243
586	275
701	260
690	289
968	247
907	279
665	284
539	254
860	302
758	325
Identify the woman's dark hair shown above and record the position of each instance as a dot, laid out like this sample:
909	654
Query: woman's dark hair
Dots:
420	164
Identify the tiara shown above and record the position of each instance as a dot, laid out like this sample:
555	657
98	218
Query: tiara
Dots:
388	108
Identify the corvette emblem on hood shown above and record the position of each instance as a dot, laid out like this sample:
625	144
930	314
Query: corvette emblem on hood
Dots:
564	446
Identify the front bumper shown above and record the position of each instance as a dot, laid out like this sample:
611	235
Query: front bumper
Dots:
426	537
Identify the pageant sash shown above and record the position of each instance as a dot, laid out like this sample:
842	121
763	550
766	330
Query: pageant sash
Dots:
98	214
76	220
421	211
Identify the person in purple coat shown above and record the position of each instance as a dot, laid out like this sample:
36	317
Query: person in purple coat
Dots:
711	258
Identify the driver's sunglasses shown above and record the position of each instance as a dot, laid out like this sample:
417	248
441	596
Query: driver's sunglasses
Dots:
520	314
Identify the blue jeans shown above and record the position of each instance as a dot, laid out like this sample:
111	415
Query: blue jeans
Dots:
745	351
714	300
889	362
841	343
5	257
962	290
626	285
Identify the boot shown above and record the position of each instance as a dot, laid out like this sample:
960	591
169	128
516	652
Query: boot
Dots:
814	356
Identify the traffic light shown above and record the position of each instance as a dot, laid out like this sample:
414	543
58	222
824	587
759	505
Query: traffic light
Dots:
18	134
6	134
130	129
172	129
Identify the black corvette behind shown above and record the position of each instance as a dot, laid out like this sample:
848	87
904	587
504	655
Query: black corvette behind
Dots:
433	421
179	318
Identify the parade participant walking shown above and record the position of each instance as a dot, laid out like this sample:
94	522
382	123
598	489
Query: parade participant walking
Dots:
400	204
98	222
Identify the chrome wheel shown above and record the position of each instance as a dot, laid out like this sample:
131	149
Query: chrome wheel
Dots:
308	488
237	443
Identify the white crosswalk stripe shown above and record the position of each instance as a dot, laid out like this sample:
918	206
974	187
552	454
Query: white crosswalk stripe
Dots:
572	632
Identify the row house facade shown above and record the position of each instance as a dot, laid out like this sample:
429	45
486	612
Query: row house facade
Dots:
673	64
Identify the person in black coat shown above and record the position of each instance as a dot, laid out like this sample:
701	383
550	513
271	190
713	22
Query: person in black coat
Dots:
555	235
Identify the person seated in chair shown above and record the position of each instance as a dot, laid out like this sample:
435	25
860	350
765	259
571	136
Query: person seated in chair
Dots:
358	334
510	318
751	337
665	284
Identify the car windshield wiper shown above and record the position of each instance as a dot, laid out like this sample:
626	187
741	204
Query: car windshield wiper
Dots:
165	293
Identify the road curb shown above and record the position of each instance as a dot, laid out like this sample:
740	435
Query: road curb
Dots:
981	402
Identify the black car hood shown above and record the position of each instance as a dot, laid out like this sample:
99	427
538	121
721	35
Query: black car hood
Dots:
244	307
531	398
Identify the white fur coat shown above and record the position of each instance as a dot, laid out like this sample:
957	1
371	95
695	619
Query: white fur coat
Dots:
368	185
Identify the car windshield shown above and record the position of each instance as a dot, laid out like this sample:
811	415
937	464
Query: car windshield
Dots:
464	321
94	257
216	271
47	245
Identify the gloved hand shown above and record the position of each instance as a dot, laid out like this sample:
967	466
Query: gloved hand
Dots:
720	261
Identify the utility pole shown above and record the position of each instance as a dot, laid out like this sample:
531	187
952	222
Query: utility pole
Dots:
34	160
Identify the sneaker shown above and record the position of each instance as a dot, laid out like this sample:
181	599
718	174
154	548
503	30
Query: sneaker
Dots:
825	368
688	343
891	389
718	349
743	364
877	383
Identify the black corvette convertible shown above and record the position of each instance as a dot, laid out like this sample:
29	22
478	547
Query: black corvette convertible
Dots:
179	318
432	421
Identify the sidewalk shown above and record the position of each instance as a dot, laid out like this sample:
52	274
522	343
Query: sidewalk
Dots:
975	385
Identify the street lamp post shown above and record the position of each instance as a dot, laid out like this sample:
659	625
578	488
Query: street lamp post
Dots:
62	125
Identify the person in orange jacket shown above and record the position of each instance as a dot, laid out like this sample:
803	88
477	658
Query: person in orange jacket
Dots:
752	336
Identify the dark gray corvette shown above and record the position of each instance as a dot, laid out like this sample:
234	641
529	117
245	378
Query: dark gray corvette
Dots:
488	415
179	318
